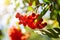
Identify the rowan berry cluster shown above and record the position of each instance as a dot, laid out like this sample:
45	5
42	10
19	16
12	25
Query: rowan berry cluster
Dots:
16	34
31	20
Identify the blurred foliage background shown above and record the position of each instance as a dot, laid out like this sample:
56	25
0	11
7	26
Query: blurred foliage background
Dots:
49	10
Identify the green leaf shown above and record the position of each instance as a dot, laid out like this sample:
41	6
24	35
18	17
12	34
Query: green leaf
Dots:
8	20
31	1
17	5
1	34
44	12
53	33
58	2
34	3
58	18
53	14
36	36
47	1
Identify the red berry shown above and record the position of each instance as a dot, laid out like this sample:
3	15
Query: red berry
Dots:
37	16
15	34
39	21
33	14
32	25
17	15
40	26
44	24
29	20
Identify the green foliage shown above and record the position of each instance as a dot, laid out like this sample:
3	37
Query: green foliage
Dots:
53	33
58	18
30	8
44	12
47	1
36	36
31	1
54	7
58	2
17	5
1	34
53	15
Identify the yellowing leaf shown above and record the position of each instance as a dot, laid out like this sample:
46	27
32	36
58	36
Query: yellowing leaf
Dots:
34	3
55	23
17	5
30	8
8	20
18	25
7	2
